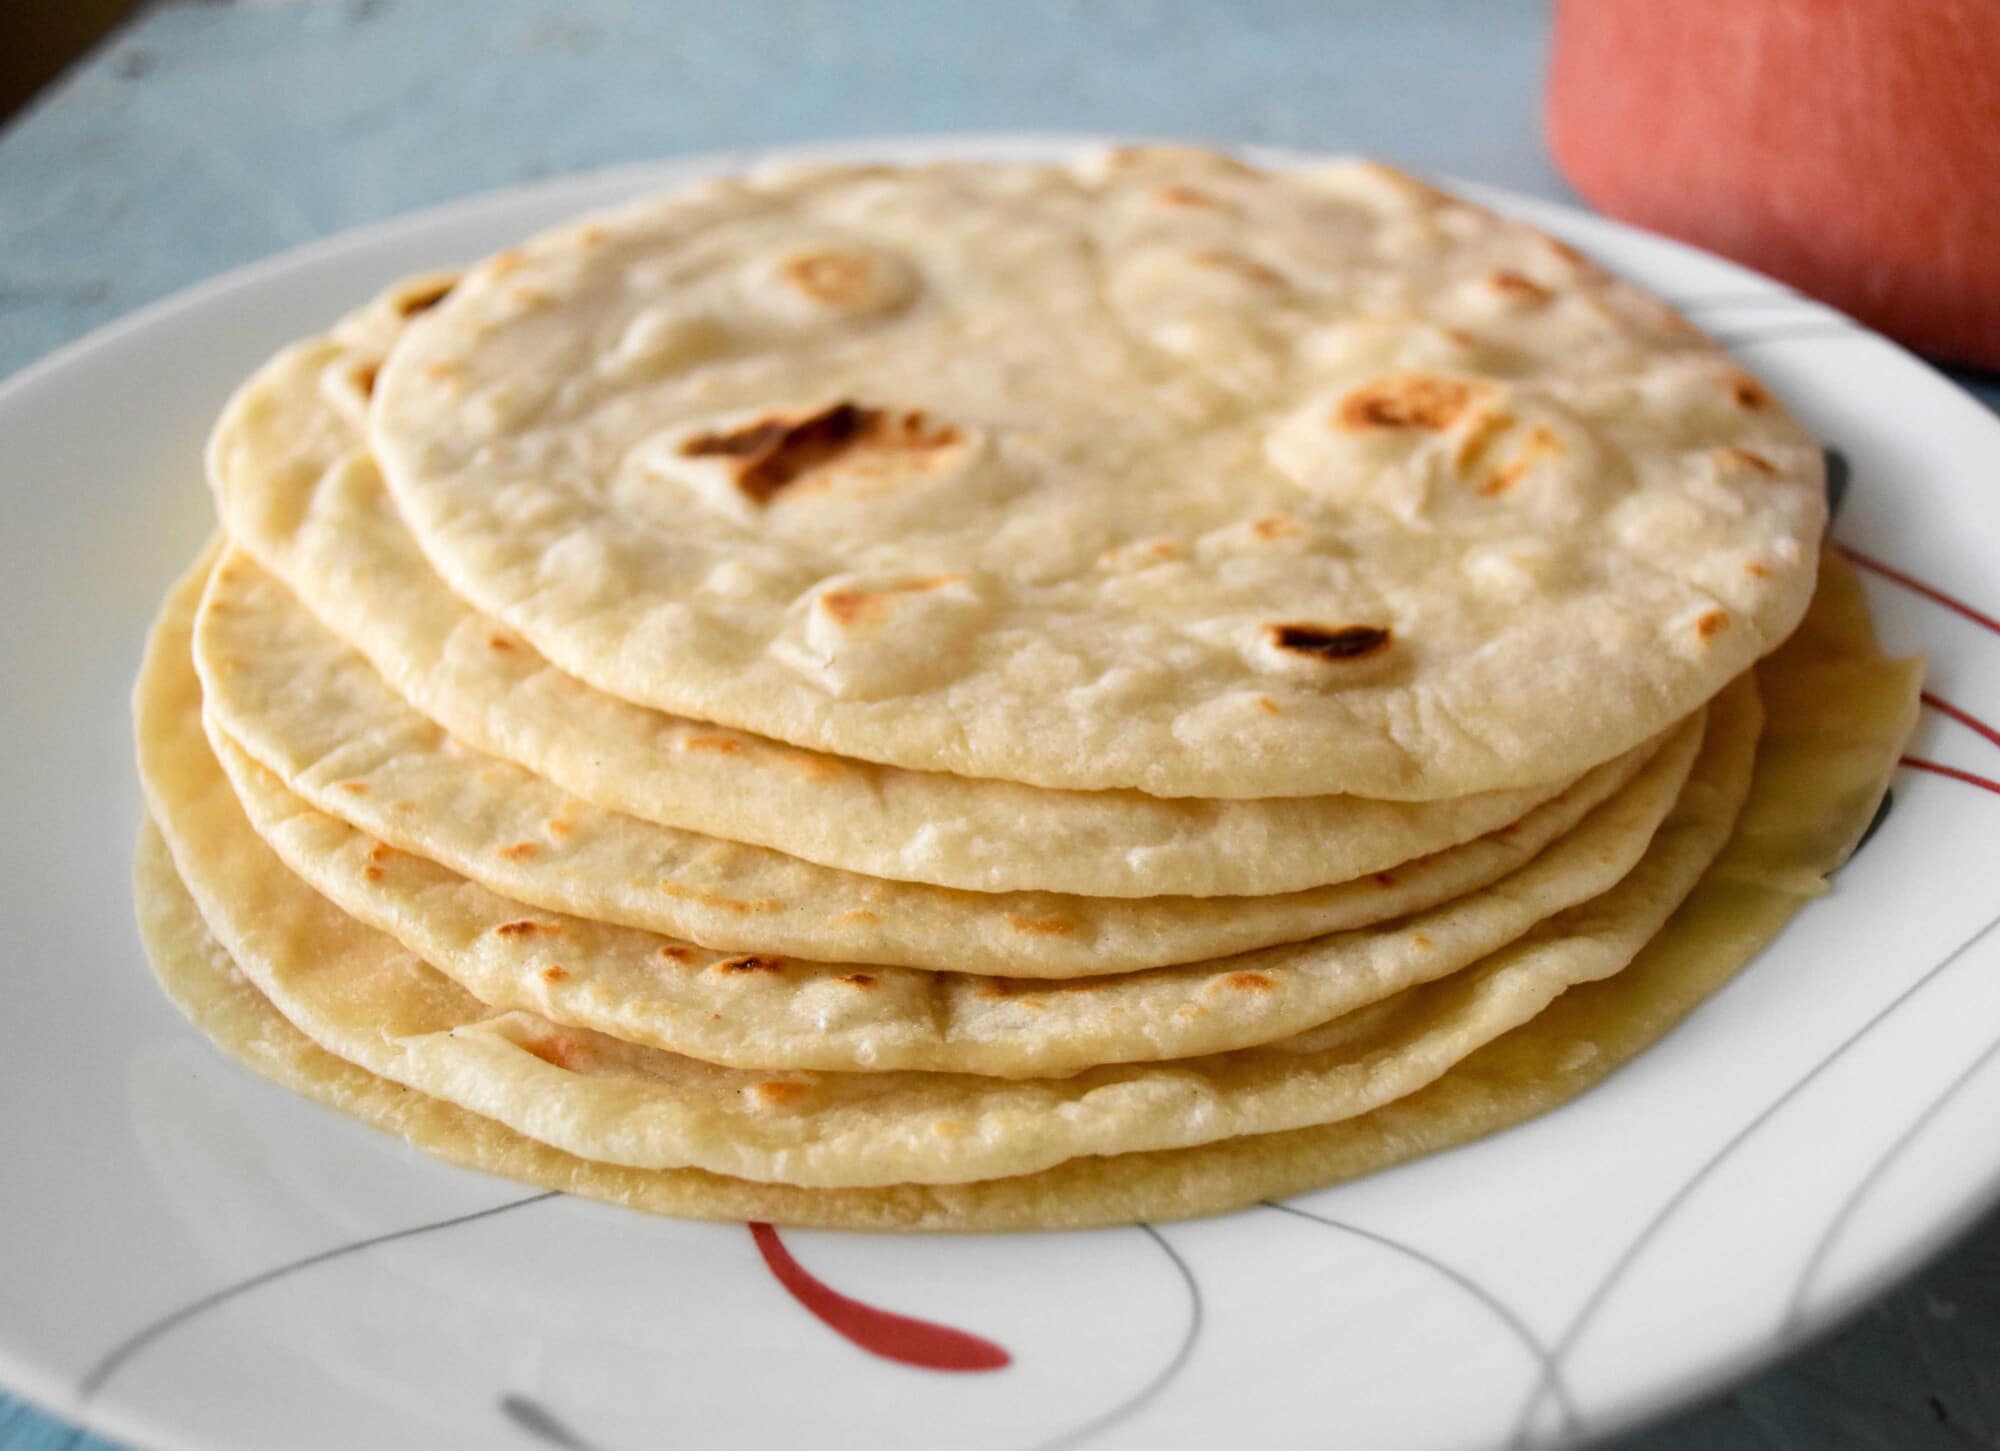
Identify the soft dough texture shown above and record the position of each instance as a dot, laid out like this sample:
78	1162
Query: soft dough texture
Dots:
1157	471
305	707
1840	715
764	1010
297	491
359	993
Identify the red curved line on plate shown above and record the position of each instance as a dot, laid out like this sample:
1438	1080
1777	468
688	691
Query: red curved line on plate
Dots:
1890	572
1963	716
879	1332
1952	771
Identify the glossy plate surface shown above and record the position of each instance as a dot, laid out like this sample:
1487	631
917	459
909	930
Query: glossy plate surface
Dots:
197	1259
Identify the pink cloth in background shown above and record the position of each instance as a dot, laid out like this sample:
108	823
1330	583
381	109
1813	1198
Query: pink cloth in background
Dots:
1848	147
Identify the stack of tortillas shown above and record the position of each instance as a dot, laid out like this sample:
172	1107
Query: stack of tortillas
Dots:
996	695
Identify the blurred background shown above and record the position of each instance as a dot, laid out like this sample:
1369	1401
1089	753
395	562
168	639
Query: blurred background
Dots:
1851	147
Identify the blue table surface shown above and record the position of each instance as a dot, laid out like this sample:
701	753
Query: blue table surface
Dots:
205	135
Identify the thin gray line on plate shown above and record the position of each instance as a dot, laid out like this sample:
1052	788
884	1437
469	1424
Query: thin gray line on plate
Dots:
1837	1225
1519	1328
114	1359
1158	1383
540	1422
1573	1334
1795	1309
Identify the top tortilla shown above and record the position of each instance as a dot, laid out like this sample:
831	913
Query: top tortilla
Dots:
1155	472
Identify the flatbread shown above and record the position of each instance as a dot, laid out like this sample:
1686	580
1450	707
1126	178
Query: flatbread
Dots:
764	1010
1158	471
305	707
1822	767
299	493
358	993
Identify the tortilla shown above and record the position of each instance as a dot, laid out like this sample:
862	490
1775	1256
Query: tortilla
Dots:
303	706
765	1010
1821	771
1155	472
299	493
358	993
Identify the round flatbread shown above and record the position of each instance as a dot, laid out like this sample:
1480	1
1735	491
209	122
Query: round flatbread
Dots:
764	1010
1840	715
1156	472
298	492
290	695
357	992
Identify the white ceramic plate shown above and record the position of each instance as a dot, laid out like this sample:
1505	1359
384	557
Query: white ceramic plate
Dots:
194	1258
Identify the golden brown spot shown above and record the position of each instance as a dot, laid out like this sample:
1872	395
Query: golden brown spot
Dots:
438	372
811	763
715	899
777	1094
1756	570
673	952
749	962
519	851
1269	706
774	452
1540	444
1043	926
592	236
504	263
364	379
1484	427
1515	285
1385	879
371	874
557	826
1413	400
529	297
355	788
1566	252
499	642
526	928
947	1128
564	1053
1711	624
996	987
381	852
1277	526
1749	460
721	745
859	915
1239	264
1184	196
849	605
1421	942
422	299
554	972
1748	392
858	979
1249	982
839	278
1330	642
